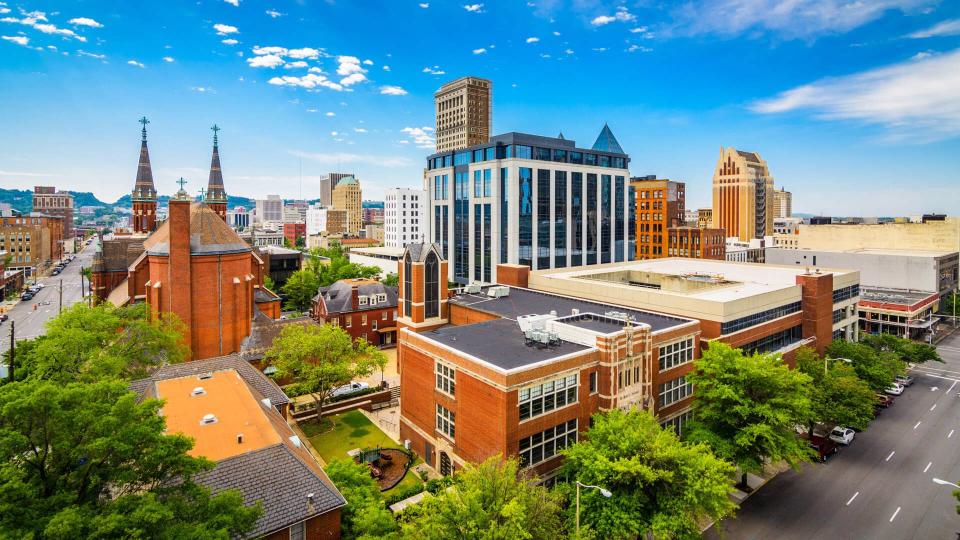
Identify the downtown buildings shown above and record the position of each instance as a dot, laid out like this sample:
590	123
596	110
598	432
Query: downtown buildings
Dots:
742	195
48	201
464	113
404	217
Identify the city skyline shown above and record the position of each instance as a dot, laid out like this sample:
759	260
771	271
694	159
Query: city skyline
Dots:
812	90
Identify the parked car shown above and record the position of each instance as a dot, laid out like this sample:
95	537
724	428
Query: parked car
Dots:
895	389
905	380
842	435
349	389
26	296
56	272
3	317
884	401
823	446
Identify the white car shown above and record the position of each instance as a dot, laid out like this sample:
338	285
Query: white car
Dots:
895	389
349	389
842	435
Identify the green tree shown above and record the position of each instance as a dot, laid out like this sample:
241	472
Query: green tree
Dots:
321	358
875	367
488	501
86	460
332	264
300	289
660	484
392	279
907	349
269	284
366	515
837	395
92	343
746	408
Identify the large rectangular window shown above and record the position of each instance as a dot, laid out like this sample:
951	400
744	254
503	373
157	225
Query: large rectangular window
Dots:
477	185
522	152
548	396
461	158
631	223
446	378
560	222
674	390
757	318
486	183
461	228
676	354
606	231
576	219
504	215
477	243
618	217
592	214
543	218
487	245
542	446
774	342
525	209
678	421
446	422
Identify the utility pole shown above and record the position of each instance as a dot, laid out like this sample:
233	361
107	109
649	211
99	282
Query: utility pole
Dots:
61	297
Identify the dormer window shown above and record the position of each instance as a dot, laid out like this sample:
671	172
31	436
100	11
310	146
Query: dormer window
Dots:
362	299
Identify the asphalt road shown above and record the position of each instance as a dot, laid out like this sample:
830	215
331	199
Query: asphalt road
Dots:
881	485
30	322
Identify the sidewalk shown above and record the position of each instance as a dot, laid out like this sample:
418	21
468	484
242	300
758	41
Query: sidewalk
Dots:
755	482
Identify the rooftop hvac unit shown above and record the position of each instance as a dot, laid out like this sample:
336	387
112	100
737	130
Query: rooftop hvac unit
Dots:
473	288
534	322
498	292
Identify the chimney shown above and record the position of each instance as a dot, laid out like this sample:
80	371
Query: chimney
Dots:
355	297
311	502
179	283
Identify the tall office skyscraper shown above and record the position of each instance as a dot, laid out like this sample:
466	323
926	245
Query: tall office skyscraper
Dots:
347	196
464	110
404	217
269	209
742	195
782	204
531	200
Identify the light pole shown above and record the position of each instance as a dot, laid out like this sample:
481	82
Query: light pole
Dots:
944	483
603	492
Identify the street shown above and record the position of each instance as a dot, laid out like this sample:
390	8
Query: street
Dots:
30	322
881	485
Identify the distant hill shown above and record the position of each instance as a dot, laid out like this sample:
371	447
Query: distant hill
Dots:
21	200
232	201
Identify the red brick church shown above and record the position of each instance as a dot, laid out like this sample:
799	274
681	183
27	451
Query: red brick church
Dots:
193	264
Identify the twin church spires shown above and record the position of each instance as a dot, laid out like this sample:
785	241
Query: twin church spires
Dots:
144	196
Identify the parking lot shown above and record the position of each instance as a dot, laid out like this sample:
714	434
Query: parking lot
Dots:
881	485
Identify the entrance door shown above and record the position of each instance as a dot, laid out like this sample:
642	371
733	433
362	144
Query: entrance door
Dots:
428	453
445	466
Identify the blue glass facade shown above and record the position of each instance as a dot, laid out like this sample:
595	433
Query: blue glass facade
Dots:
605	229
560	219
477	242
592	218
525	212
487	244
618	217
543	218
504	214
576	219
461	228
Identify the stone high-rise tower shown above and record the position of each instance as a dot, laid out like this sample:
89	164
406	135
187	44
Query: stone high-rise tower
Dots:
216	196
144	196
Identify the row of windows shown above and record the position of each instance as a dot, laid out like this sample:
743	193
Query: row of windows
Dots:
548	443
846	293
678	421
676	354
774	342
446	421
545	397
519	151
757	318
838	315
674	390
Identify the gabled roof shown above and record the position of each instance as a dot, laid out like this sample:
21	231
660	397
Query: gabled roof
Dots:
606	142
418	252
338	298
209	235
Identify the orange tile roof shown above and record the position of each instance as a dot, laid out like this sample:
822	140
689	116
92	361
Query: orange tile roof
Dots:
229	399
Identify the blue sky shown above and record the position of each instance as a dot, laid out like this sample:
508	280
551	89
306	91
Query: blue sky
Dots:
855	105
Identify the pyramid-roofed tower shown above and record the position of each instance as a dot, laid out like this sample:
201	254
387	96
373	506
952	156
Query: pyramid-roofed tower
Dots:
216	195
606	142
144	195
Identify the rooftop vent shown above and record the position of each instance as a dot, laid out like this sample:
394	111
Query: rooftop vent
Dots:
239	438
266	402
208	418
473	288
205	376
296	441
198	391
574	311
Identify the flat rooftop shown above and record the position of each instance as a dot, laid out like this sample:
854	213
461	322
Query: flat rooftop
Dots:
501	343
382	251
894	296
900	252
530	302
236	410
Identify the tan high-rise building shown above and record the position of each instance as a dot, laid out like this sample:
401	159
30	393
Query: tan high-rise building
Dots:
347	196
464	110
742	195
782	204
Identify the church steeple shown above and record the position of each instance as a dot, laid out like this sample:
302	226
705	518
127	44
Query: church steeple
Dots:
216	195
144	195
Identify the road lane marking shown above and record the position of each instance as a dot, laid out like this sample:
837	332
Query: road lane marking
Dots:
951	386
915	426
927	468
894	452
852	498
894	516
933	407
950	434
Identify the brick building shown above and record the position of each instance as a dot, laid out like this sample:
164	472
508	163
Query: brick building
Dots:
697	243
512	371
216	194
143	198
365	308
660	205
33	242
294	231
238	419
47	201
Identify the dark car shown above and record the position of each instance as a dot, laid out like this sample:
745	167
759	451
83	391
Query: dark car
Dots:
823	446
26	296
3	317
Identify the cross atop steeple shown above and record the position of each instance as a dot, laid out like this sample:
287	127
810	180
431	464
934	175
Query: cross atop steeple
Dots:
203	194
215	129
181	181
144	121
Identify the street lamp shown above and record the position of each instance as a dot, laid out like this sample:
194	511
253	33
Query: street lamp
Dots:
944	483
604	492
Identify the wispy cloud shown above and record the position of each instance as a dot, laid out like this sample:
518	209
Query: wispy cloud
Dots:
533	39
424	5
390	90
945	28
474	8
295	65
168	59
203	89
481	50
229	41
331	158
135	63
234	3
19	40
435	70
359	130
91	55
308	81
622	14
265	61
38	21
421	136
27	174
274	13
86	21
917	98
225	29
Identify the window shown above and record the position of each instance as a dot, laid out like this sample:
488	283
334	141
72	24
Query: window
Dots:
542	446
432	286
373	324
757	318
477	186
525	209
487	176
347	321
593	382
676	354
445	422
362	299
674	390
775	341
363	319
298	531
446	378
678	421
545	397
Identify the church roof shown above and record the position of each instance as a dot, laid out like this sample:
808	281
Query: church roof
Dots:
349	180
209	235
606	142
215	189
143	187
418	252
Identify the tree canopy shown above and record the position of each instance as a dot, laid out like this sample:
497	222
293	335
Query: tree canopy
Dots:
746	408
322	267
488	501
875	367
837	395
365	517
907	349
321	358
300	289
660	484
85	460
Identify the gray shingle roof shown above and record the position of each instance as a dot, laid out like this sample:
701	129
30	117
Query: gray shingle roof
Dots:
337	297
280	480
418	252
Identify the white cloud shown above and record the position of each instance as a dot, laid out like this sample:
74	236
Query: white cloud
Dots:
234	3
229	41
421	136
349	65
225	29
635	48
922	54
91	55
168	59
331	113
280	51
342	157
481	50
556	33
4	10
315	69
600	49
273	13
544	55
359	130
917	98
474	8
202	89
638	30
601	20
424	5
306	52
86	21
308	81
266	60
33	19
352	79
622	14
797	19
569	51
19	40
435	70
135	63
533	39
295	65
392	91
368	62
386	68
944	28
